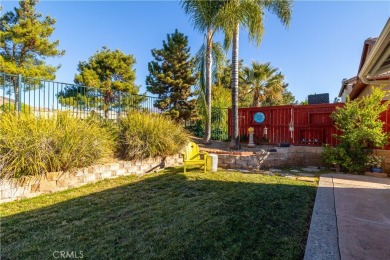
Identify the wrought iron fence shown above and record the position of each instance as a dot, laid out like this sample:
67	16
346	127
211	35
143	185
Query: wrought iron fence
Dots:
219	125
43	98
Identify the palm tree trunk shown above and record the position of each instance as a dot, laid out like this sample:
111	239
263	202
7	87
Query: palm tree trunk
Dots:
209	63
234	86
256	98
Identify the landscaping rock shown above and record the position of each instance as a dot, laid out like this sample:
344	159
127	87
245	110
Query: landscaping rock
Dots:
119	172
287	175
311	169
307	179
306	174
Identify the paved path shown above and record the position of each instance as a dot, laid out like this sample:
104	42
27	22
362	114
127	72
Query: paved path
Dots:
351	218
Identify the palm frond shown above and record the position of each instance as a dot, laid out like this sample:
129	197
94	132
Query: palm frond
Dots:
219	58
203	13
282	9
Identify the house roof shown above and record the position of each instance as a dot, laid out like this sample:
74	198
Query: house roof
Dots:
358	84
344	84
374	67
377	62
367	47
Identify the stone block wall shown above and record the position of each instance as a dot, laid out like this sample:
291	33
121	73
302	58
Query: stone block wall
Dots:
31	186
294	156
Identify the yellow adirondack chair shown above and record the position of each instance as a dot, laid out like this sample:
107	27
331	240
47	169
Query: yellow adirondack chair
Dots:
192	156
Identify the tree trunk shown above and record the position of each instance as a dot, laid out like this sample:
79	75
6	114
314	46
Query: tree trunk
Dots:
235	142
256	98
15	83
209	63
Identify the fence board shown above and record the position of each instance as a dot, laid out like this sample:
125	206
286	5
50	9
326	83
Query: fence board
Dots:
310	124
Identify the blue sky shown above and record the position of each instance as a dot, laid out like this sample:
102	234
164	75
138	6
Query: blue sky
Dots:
322	46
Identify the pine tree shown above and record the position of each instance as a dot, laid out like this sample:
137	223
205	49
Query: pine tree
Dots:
25	44
112	74
171	76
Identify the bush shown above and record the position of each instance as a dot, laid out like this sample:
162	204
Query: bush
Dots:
32	146
10	107
361	131
143	135
340	158
196	128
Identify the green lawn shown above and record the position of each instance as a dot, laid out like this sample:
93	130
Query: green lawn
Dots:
167	215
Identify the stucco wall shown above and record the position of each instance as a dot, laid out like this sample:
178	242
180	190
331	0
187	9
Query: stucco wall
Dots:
368	90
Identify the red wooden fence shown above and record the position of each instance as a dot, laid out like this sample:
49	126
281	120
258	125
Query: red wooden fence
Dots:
295	124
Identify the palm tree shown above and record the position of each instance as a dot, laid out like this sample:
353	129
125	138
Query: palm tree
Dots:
204	15
219	57
248	14
264	82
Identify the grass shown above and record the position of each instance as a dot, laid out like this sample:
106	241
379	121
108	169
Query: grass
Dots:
165	215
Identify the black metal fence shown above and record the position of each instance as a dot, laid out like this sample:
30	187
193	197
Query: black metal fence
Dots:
43	97
219	125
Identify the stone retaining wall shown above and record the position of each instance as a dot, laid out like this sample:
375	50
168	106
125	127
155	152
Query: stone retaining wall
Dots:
294	156
26	187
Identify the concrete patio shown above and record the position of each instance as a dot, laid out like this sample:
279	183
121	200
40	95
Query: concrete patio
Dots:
351	218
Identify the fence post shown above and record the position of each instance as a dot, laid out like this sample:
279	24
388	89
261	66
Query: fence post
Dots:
120	107
19	93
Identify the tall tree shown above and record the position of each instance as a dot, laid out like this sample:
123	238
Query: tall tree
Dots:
219	59
204	15
265	83
171	76
248	14
223	79
112	76
287	98
25	44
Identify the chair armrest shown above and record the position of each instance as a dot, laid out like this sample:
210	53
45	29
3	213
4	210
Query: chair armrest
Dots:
205	154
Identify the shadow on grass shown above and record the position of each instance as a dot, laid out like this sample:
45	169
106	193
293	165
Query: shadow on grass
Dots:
170	216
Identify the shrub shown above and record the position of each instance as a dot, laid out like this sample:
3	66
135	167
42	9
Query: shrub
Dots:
375	161
10	107
32	146
338	157
361	131
143	135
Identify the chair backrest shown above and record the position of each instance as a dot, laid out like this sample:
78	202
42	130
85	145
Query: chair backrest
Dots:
192	151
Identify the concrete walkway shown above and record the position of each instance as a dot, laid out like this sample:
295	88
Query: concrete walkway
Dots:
351	218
